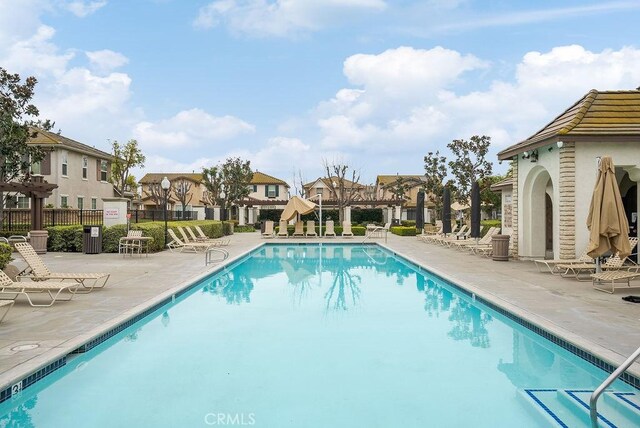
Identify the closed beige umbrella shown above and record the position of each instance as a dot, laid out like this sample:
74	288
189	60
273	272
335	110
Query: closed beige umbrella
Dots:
297	206
607	221
457	206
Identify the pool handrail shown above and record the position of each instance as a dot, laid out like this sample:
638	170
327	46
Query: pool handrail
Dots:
593	401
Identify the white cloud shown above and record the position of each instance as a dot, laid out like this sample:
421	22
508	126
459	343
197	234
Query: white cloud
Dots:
106	60
190	129
84	8
279	18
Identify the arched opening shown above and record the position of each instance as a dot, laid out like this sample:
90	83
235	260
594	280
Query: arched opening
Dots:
537	214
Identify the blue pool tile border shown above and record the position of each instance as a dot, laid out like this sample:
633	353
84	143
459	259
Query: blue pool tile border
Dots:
8	392
532	395
581	353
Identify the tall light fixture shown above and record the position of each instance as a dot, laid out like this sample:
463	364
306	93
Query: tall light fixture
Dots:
222	210
165	184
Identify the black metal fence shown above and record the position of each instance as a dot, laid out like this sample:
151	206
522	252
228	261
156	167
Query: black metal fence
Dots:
19	220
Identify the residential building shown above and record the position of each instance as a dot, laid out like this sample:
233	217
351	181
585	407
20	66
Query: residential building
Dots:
555	170
189	184
387	187
267	188
81	172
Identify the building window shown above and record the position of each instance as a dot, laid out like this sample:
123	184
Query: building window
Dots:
103	170
80	202
64	201
94	203
318	190
23	202
17	201
36	168
85	167
65	162
272	190
255	188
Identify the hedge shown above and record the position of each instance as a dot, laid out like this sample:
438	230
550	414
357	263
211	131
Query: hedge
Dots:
357	230
244	229
408	223
366	215
403	231
5	254
486	224
69	238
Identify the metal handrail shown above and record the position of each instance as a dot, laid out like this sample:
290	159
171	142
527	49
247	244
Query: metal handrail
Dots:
608	381
208	259
377	229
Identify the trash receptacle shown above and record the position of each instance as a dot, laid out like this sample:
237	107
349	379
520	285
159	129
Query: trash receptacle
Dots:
92	239
500	247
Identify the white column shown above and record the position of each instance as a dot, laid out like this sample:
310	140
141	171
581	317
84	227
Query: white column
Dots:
347	214
389	214
216	213
398	212
241	215
250	218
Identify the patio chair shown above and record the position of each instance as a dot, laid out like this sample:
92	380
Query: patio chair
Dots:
185	238
8	287
434	239
283	232
552	264
38	271
129	242
615	277
329	229
454	237
311	228
425	234
177	243
212	241
346	229
299	229
5	305
473	245
577	270
268	229
378	231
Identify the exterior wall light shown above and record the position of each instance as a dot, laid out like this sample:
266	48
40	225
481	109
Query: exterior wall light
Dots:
560	144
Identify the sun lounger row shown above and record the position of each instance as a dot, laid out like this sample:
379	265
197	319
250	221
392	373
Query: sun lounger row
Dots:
460	240
299	231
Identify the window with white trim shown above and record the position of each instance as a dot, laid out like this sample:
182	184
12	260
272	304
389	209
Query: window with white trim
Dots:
271	191
64	201
64	156
85	167
94	203
80	204
103	170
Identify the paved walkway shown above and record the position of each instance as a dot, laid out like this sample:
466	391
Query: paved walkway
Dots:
602	323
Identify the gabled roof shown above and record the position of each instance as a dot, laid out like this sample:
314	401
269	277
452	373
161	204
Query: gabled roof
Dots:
327	182
50	139
385	180
262	178
156	177
505	184
614	115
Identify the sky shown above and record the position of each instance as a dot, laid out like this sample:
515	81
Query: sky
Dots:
293	84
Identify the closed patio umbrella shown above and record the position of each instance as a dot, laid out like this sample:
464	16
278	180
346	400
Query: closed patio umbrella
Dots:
420	210
297	206
446	211
607	221
475	210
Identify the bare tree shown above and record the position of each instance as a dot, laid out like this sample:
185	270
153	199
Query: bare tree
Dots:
343	190
298	184
182	191
155	192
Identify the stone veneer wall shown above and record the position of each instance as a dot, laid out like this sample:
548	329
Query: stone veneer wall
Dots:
514	208
567	203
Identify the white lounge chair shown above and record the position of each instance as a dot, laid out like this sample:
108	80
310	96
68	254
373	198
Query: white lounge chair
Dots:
311	228
329	229
10	289
283	232
177	243
268	229
346	229
38	271
299	229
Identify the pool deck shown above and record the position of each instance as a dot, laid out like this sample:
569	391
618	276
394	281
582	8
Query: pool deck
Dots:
599	322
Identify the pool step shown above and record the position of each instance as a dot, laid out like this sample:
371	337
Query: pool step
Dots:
570	407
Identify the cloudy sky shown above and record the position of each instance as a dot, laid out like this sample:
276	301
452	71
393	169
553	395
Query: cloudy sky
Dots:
287	83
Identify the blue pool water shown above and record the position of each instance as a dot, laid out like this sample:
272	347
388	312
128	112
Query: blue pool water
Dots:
310	336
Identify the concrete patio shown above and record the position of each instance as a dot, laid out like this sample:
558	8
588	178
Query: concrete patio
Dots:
602	323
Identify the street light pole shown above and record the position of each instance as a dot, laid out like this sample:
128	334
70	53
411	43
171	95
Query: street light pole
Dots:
165	184
222	209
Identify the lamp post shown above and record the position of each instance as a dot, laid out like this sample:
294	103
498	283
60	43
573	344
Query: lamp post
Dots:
222	209
165	184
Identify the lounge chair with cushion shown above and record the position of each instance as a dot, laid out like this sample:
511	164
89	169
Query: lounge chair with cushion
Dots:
614	277
468	244
438	236
346	229
5	305
283	232
177	243
10	289
268	229
38	271
329	229
453	237
214	242
577	270
185	238
299	229
311	228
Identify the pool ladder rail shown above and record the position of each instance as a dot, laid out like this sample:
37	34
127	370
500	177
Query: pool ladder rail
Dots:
211	251
593	401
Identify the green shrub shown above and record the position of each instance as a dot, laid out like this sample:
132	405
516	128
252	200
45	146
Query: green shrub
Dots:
403	231
227	227
8	233
244	229
366	215
65	238
5	254
357	230
408	223
111	237
486	224
273	215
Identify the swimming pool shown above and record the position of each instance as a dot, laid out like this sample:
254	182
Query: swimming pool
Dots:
330	335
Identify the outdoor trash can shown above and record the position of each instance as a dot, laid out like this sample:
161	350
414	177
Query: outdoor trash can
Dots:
500	244
92	239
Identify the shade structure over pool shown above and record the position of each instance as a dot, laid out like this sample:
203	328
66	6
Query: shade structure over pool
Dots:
297	206
607	221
